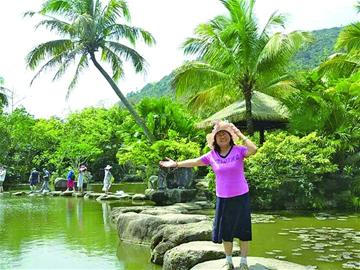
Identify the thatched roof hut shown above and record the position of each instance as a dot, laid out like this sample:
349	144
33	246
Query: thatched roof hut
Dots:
268	113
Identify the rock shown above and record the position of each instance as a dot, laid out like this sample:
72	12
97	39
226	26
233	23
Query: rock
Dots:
66	193
92	195
140	228
139	197
185	256
78	194
55	193
173	235
255	263
60	184
19	193
171	196
153	181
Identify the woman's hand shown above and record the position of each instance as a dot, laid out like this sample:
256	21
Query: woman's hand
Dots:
169	163
236	130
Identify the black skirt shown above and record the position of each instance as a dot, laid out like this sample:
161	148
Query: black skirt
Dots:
232	219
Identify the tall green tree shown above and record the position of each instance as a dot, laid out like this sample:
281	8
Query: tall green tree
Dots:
87	27
235	57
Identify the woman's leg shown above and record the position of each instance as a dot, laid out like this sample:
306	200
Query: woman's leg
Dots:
228	248
244	248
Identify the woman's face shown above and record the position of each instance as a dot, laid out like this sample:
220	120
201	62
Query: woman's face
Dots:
222	138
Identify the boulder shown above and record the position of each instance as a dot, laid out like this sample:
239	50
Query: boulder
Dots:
140	228
185	256
139	197
254	263
171	196
173	235
60	184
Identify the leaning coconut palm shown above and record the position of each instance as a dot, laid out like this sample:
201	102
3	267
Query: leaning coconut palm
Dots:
88	27
235	57
346	61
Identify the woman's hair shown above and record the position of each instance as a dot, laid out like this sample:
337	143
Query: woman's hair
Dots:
217	147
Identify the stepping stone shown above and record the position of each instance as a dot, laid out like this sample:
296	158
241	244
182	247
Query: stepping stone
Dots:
255	263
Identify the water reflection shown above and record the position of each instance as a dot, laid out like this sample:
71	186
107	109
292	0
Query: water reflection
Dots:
73	231
79	213
106	209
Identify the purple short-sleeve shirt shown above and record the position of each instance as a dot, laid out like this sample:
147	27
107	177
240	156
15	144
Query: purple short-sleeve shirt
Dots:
229	171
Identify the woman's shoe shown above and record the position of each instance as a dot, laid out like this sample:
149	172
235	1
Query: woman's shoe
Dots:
243	266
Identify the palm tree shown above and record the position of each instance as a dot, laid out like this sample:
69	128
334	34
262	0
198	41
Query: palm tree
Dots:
236	57
346	60
88	27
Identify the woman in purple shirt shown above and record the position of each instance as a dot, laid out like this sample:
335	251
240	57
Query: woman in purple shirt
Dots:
232	216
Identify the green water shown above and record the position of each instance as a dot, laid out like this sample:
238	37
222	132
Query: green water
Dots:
302	238
75	233
63	233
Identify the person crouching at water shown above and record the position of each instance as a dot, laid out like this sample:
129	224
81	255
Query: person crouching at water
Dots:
34	179
232	216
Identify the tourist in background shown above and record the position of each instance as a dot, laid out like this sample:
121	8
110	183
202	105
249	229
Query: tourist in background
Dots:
46	179
80	182
70	180
34	179
107	179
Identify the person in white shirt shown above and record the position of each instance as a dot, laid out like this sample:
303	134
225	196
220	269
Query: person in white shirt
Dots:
107	179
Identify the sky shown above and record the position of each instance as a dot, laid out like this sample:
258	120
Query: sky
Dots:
170	22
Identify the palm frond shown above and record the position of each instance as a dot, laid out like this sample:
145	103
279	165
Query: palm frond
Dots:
48	49
274	20
67	60
59	26
340	65
349	38
194	76
130	33
129	54
83	63
279	49
115	61
115	9
59	7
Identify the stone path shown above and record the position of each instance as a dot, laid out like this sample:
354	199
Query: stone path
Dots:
255	263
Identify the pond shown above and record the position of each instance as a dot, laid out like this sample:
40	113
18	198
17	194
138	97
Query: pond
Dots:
63	233
74	233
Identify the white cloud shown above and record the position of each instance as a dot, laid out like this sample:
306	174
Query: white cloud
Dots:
170	21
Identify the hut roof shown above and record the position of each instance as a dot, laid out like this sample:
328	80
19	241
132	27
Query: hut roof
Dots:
266	110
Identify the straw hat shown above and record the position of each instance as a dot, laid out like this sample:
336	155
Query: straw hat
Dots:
108	167
220	125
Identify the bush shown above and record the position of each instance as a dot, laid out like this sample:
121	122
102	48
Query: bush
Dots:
287	171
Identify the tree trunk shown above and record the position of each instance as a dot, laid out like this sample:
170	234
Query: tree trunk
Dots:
247	91
123	99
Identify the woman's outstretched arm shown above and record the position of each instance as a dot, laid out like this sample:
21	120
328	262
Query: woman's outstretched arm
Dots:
188	163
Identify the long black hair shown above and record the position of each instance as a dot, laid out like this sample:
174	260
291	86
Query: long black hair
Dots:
217	147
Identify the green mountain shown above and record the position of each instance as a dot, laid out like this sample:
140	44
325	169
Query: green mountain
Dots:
317	51
156	89
309	57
